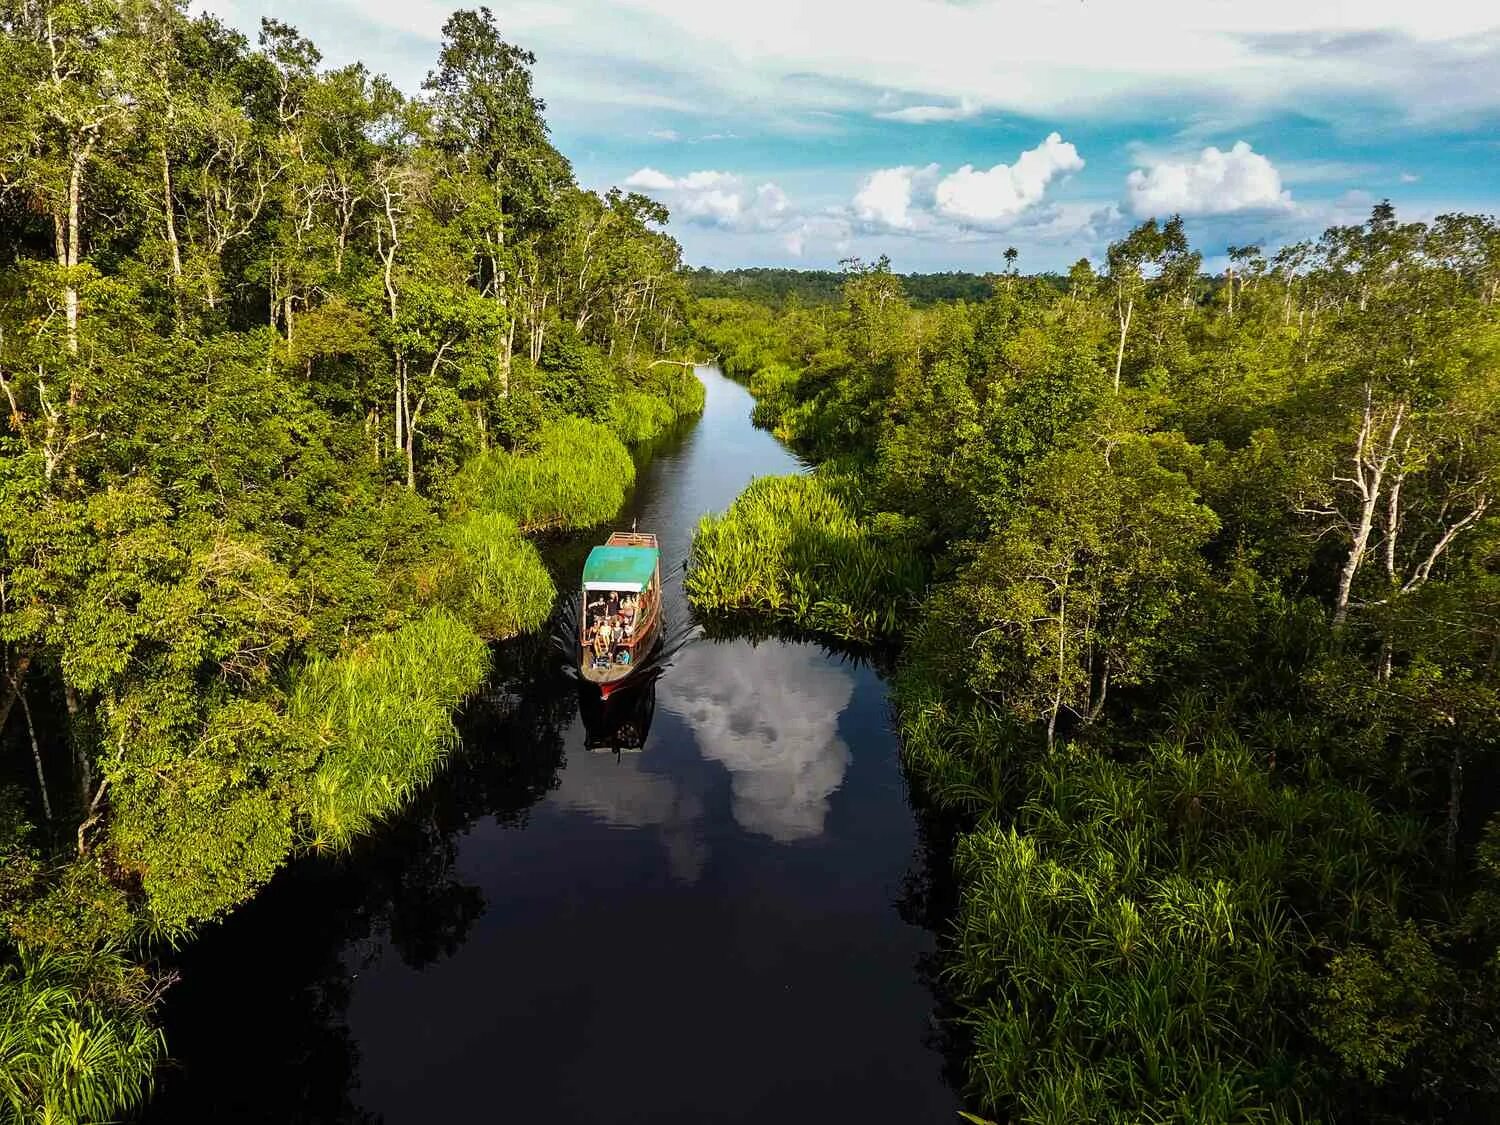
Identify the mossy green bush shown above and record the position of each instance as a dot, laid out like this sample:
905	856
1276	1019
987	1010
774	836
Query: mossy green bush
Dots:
792	549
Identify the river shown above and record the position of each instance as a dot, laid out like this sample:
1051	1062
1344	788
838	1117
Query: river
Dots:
710	929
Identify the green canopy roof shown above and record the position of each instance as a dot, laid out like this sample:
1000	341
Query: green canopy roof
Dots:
620	568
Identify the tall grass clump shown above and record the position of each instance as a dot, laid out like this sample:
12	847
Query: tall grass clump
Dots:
76	1041
1129	946
790	548
680	387
574	473
379	721
667	392
491	577
637	417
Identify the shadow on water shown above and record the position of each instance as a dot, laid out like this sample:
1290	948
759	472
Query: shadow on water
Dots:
731	828
258	1024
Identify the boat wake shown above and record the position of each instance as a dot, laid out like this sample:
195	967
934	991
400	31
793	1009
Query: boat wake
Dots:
565	631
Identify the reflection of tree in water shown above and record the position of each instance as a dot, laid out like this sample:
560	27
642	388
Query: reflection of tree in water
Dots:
928	898
257	1026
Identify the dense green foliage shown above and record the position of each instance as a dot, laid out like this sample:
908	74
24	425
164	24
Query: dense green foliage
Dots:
378	720
1206	669
289	363
76	1040
574	474
791	550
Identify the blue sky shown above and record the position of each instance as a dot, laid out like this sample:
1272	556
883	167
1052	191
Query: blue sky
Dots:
799	132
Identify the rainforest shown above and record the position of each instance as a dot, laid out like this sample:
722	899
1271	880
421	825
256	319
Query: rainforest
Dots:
1086	699
1196	584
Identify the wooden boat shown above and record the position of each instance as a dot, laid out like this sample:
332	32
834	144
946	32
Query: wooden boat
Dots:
621	597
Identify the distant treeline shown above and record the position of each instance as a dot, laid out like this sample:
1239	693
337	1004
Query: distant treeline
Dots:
818	287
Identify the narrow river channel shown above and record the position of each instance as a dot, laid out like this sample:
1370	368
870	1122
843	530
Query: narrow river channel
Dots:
708	929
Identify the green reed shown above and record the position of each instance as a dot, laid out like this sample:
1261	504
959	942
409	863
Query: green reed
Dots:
378	721
76	1041
490	576
790	548
573	473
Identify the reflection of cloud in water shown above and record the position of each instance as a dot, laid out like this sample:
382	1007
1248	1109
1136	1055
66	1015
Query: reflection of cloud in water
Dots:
770	714
618	791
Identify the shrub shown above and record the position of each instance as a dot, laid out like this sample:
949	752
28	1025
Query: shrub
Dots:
573	474
635	417
790	548
76	1041
489	576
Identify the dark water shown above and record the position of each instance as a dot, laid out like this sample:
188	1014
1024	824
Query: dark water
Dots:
707	929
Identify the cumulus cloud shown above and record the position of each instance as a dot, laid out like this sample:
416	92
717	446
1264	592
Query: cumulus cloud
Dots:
929	114
620	791
831	231
716	199
1409	177
663	134
649	179
884	198
922	201
1216	183
1005	191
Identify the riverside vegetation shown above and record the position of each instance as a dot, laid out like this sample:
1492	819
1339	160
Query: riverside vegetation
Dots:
291	363
1201	659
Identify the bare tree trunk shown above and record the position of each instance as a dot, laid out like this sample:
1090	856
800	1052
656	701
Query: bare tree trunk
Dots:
398	414
75	737
1120	353
169	212
1370	470
70	292
36	758
91	817
1455	799
1062	620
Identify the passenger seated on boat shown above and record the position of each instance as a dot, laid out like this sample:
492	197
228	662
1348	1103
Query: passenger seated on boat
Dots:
604	637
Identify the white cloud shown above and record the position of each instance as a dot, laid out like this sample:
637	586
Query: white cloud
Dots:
770	715
1216	183
922	201
884	198
928	114
649	179
776	59
663	135
830	232
1005	191
1409	177
716	199
620	791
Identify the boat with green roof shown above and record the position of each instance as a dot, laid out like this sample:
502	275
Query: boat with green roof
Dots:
621	618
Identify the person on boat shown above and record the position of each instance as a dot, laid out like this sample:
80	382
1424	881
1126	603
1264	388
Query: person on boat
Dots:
604	637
